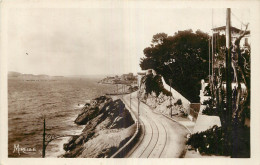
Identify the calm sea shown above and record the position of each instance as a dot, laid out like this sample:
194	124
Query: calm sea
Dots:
58	100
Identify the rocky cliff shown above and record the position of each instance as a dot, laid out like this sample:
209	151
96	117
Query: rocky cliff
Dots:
108	126
154	94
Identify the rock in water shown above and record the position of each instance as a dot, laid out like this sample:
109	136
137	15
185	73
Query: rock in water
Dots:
92	111
104	118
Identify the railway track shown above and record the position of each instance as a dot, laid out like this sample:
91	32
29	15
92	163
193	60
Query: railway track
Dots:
160	136
154	137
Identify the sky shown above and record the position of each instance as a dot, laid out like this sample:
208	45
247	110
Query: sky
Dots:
97	41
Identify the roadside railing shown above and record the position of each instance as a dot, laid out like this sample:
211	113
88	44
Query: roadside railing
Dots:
133	140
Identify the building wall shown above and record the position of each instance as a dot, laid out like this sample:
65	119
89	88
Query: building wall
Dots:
140	75
234	36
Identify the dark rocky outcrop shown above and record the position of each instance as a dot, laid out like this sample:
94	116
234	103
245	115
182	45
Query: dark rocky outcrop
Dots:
103	114
92	110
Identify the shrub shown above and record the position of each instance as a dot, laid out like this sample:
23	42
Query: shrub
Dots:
210	111
210	142
207	91
183	113
154	84
209	102
166	92
215	141
178	102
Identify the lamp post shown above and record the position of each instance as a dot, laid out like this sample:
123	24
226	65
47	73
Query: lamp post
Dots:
130	102
43	144
170	81
138	109
138	113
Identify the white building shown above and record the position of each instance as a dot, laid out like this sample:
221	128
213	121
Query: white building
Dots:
235	33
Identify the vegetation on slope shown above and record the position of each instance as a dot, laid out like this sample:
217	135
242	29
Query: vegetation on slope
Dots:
182	57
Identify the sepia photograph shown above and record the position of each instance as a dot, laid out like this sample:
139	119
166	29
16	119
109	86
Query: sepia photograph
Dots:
127	80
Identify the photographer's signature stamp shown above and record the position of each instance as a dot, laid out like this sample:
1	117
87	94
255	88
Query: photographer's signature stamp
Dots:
26	150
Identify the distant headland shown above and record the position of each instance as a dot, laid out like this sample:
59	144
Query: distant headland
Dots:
31	77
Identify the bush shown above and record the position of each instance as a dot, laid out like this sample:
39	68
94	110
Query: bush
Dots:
178	102
183	113
214	141
210	142
209	102
166	92
207	91
210	111
154	84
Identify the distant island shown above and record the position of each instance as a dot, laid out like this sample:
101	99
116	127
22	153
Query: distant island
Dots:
31	77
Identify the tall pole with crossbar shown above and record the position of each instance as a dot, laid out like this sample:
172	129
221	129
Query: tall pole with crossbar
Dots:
170	80
228	69
43	141
130	102
138	113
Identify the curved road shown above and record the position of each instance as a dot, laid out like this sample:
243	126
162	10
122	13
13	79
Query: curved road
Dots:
161	136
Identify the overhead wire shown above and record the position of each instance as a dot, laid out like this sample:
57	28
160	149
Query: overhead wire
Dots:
238	19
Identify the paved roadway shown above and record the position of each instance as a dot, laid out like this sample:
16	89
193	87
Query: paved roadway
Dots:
161	138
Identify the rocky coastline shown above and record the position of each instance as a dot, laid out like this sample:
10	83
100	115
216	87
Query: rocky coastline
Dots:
108	126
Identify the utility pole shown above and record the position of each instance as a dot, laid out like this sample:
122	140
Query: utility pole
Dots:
209	59
170	80
138	112
43	142
130	101
212	65
212	56
228	69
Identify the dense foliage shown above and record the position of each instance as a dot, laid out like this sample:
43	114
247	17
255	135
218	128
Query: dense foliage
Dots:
210	111
213	141
153	83
178	102
182	57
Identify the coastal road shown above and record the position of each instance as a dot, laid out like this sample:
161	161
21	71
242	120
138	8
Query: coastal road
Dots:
161	137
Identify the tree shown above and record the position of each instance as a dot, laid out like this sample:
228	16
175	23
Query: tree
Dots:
241	102
236	134
182	57
153	83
